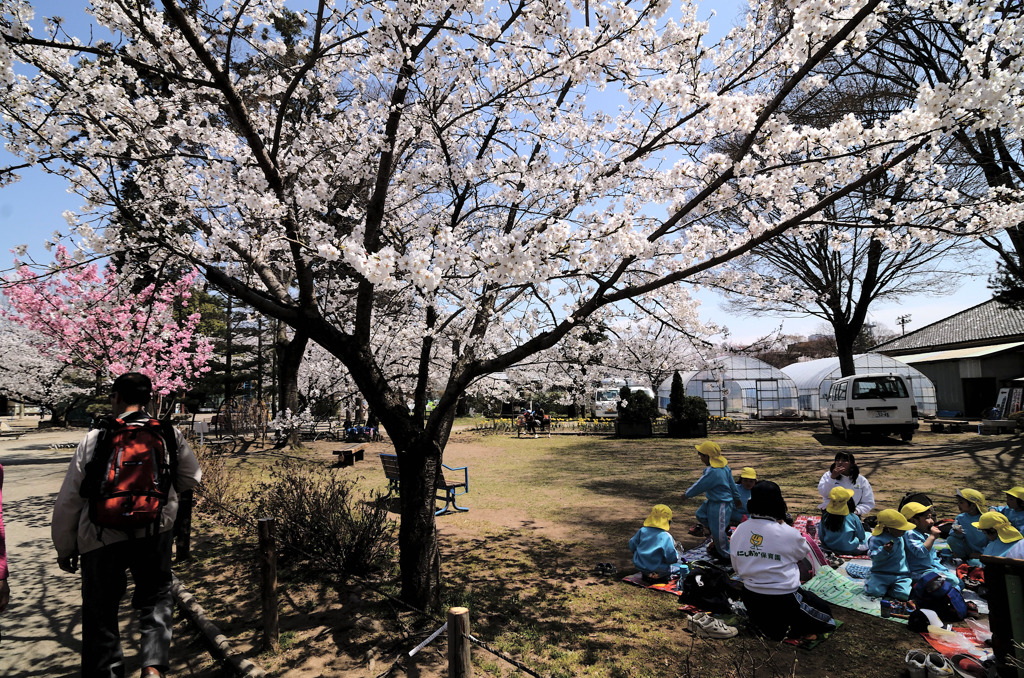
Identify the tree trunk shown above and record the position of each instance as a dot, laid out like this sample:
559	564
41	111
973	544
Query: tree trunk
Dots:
844	349
419	557
289	358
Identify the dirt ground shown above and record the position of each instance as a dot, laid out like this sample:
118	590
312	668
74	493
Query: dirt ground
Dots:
542	513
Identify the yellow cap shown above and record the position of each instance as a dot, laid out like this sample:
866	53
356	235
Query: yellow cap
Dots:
993	520
1017	492
713	451
912	508
748	473
891	518
839	501
973	496
660	517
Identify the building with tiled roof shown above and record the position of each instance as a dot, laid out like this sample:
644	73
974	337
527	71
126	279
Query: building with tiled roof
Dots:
969	356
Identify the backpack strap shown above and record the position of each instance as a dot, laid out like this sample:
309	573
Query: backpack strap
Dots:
96	467
171	446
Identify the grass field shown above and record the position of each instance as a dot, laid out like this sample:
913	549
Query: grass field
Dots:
542	513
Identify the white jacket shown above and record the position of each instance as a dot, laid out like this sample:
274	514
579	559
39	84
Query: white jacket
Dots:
73	532
863	495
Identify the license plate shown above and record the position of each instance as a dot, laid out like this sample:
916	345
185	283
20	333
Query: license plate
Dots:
881	414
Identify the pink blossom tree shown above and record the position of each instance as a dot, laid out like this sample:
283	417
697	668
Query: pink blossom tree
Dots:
93	320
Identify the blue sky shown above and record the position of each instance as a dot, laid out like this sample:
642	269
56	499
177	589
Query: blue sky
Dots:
30	211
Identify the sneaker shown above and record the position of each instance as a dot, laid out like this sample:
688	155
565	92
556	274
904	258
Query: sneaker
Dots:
915	664
938	666
706	626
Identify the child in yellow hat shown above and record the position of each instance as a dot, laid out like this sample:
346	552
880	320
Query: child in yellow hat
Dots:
841	530
889	576
654	549
920	541
717	484
1000	533
1014	509
965	539
748	478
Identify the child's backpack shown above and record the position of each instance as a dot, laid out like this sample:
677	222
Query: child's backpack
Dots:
708	587
935	592
129	478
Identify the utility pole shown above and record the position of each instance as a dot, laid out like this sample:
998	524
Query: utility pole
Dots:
903	321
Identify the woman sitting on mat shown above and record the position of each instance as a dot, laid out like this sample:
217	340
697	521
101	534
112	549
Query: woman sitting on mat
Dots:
766	554
844	472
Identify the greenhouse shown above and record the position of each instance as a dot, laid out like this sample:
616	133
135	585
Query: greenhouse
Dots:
739	385
814	378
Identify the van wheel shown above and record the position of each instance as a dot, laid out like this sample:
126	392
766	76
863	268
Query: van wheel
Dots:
847	435
908	436
832	427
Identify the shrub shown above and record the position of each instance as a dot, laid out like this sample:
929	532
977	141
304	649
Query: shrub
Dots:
693	409
639	406
323	521
217	485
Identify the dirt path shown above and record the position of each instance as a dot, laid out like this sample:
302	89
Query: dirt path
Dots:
42	627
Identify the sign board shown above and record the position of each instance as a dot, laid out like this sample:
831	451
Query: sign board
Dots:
1001	401
201	426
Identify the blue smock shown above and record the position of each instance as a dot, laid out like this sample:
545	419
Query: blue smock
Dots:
889	575
997	547
653	549
718	486
971	541
850	540
921	561
738	514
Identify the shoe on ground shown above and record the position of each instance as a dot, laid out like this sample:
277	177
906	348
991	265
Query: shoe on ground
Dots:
969	666
706	626
915	664
938	666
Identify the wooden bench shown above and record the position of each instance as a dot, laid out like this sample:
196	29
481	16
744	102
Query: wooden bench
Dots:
449	488
348	456
949	425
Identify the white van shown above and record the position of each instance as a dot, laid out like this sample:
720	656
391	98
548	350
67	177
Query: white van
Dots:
871	403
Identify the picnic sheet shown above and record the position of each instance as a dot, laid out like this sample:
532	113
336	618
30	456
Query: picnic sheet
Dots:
637	579
838	589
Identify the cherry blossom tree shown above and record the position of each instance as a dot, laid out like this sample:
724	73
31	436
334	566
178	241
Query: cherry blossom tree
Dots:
96	322
29	375
484	179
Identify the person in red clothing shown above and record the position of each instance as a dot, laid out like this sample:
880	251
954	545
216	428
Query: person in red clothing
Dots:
5	589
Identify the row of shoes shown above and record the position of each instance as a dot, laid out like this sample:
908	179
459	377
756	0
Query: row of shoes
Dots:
921	664
606	569
706	626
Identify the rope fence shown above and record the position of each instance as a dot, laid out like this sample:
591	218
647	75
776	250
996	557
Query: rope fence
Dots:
454	637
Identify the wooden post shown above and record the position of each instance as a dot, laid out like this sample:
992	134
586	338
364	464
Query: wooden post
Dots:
459	665
268	579
183	527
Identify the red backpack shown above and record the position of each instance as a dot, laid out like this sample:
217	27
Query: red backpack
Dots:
129	478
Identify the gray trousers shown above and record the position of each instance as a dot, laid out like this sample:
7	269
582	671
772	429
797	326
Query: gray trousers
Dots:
104	582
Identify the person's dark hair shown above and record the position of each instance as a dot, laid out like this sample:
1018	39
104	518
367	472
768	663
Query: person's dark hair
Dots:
920	497
133	388
834	523
766	500
853	471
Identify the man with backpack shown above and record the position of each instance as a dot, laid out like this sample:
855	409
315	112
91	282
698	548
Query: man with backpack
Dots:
115	512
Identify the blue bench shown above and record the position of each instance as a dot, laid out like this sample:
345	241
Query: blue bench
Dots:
449	488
